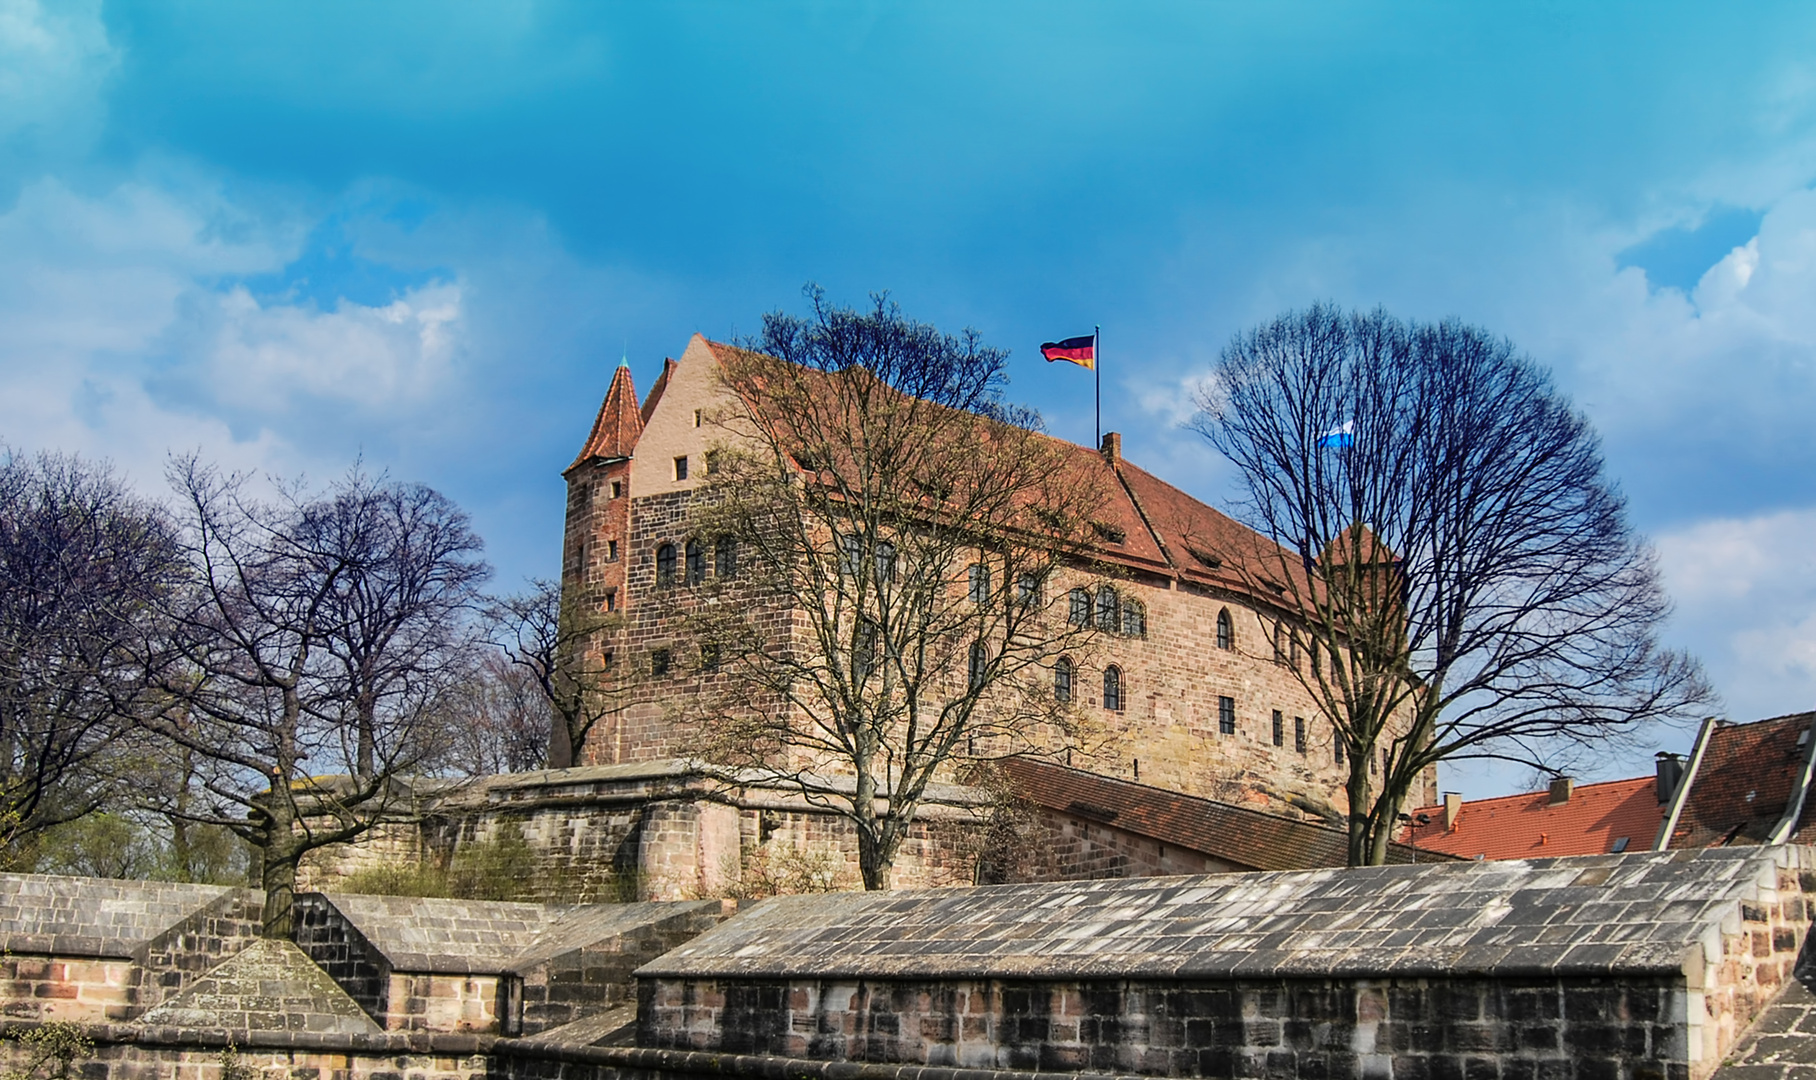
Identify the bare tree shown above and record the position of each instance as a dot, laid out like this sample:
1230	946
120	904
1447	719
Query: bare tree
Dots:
876	498
1453	573
555	640
84	566
297	719
498	718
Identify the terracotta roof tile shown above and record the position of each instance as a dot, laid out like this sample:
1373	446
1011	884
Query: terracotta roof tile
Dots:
1744	783
1233	834
1594	819
619	424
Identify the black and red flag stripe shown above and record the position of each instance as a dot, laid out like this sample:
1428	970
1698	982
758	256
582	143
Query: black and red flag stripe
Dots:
1078	350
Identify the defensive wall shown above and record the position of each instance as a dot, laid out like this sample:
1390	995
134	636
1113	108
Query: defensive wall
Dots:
1672	965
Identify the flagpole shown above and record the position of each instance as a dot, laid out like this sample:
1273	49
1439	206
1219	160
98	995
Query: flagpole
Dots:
1097	373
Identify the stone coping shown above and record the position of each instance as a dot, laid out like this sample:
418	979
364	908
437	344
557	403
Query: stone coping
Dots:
688	1062
430	935
764	1067
50	915
1639	914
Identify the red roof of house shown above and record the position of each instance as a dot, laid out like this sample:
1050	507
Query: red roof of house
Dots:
1234	834
1592	822
1744	783
619	424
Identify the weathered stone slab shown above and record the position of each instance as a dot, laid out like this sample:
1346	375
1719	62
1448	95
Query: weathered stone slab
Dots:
70	916
1642	913
267	986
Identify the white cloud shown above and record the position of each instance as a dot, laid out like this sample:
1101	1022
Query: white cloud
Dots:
267	358
1746	603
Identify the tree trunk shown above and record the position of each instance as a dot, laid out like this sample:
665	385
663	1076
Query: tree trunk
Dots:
279	881
876	858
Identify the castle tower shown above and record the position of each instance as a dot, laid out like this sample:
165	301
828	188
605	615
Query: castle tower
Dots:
598	527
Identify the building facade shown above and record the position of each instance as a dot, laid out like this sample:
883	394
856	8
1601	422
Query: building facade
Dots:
1191	679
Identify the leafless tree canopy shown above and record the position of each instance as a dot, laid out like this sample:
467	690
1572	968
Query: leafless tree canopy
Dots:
1458	569
310	656
84	569
552	641
908	525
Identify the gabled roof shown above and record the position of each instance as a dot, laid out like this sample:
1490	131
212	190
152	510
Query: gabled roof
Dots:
1233	834
619	424
1147	524
1745	783
1591	822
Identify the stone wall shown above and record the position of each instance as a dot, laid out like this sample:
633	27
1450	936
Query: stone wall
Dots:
167	964
1603	967
73	989
1422	1029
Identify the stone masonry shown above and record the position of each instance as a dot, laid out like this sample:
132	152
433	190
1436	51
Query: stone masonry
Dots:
1160	548
1606	967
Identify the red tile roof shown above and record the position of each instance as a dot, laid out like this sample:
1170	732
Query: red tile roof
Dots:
1744	783
619	424
1233	834
1592	822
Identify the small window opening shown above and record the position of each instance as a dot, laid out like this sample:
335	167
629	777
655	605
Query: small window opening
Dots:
1080	614
1279	728
681	467
1112	689
665	566
1226	716
1226	630
611	600
1299	734
1109	610
611	551
1062	682
698	418
980	664
617	489
725	557
979	583
659	662
696	562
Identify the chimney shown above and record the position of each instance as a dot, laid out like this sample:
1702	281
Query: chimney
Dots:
1670	774
1453	809
1112	447
1560	791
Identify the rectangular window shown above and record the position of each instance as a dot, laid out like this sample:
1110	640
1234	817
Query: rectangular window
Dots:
1279	728
611	600
611	551
658	662
681	467
1299	734
697	417
617	489
1336	744
1226	716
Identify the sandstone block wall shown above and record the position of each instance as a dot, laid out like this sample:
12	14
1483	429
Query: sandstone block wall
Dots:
1424	1029
75	989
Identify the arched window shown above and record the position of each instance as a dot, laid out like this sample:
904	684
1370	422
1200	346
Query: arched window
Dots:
696	562
1226	630
1109	612
1112	688
665	565
1062	679
1027	591
980	663
1134	619
725	557
885	562
1080	615
980	583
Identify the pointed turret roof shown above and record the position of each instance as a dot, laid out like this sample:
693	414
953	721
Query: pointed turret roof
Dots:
619	425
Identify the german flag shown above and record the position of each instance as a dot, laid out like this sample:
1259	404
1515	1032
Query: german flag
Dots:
1078	350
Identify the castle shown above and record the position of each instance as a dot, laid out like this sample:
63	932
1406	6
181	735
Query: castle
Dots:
1213	757
1201	697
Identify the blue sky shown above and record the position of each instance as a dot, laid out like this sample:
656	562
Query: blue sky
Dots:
289	235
